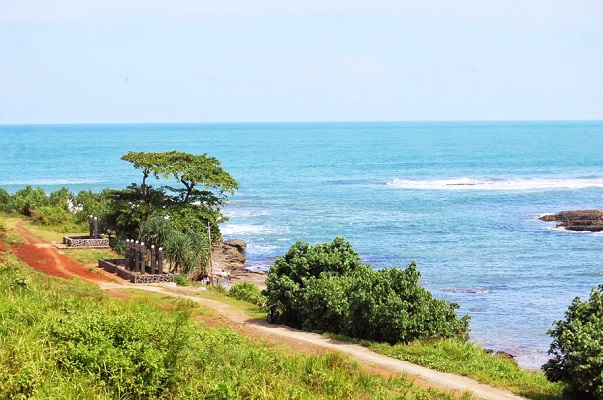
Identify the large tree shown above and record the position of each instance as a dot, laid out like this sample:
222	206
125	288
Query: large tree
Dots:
190	208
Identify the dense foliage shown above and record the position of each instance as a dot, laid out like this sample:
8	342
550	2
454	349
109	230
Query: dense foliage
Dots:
326	288
137	211
248	292
577	349
62	339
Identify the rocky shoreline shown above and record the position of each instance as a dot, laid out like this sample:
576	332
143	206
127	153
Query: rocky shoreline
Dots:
579	220
228	264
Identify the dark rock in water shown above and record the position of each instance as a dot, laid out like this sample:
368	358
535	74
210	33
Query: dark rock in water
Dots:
580	220
502	354
507	356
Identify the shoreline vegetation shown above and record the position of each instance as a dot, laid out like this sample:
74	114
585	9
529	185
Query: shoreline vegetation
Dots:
323	289
448	355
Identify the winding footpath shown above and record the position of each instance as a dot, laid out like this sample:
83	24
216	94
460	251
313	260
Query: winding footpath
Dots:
52	261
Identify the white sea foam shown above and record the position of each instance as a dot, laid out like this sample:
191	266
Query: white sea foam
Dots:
248	229
562	229
477	290
245	213
244	229
257	249
517	184
259	268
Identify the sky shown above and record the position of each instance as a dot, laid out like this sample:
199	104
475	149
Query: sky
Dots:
134	61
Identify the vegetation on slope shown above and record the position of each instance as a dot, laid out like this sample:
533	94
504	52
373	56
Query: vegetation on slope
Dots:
64	339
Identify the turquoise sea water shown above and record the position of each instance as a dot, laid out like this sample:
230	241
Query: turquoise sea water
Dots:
459	198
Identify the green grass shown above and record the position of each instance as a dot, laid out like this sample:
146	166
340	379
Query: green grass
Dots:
64	339
218	293
448	356
51	233
89	256
471	360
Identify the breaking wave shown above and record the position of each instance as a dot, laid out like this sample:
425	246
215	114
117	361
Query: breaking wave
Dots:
477	290
492	184
248	229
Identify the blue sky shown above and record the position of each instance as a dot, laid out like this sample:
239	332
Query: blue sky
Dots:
113	61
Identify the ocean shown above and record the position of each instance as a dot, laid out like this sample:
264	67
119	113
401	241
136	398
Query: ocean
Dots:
460	198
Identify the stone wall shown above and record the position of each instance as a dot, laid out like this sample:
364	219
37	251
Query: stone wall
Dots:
116	266
85	241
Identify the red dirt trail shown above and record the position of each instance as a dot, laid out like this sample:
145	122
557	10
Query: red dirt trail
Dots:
48	259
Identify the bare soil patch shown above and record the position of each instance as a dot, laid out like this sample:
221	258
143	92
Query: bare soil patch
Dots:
51	261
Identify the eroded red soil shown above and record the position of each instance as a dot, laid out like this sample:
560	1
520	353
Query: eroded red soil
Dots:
50	260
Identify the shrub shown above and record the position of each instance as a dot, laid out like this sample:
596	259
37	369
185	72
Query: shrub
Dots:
181	280
326	288
578	349
248	292
51	216
25	200
4	199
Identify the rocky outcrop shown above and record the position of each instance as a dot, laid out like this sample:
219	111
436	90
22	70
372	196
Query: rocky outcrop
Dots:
581	220
229	255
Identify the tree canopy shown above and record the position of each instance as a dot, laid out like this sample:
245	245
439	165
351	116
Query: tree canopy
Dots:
203	178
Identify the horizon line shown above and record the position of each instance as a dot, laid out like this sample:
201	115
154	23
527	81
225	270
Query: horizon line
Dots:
296	122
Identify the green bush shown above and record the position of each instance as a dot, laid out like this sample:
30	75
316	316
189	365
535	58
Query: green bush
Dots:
25	200
577	349
248	292
4	200
61	198
182	280
326	288
51	216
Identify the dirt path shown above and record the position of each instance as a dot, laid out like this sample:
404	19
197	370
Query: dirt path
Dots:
52	261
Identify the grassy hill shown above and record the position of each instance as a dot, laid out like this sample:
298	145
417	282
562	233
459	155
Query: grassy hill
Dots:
65	339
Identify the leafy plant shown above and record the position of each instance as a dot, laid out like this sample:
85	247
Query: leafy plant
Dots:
248	292
326	288
25	200
577	349
181	280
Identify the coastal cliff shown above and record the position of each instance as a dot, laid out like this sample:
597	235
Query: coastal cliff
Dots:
580	220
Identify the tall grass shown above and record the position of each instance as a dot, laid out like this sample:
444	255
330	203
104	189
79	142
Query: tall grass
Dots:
471	360
65	339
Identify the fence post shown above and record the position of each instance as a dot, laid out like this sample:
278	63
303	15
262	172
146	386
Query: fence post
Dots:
126	244
143	253
135	250
95	228
153	260
160	260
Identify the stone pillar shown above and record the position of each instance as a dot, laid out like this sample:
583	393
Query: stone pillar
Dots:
136	258
142	255
131	261
91	220
95	228
125	244
160	260
153	260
